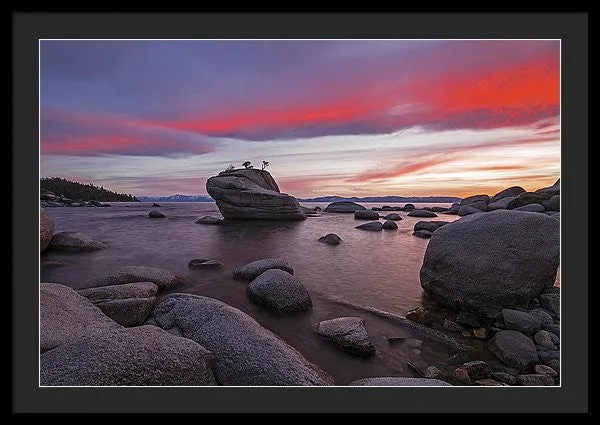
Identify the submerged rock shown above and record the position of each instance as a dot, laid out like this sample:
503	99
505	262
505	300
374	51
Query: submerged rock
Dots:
128	304
279	291
373	226
254	269
426	234
66	316
75	242
252	194
46	229
343	207
207	219
245	353
507	268
366	215
143	355
349	333
389	225
202	263
156	214
331	239
131	274
421	213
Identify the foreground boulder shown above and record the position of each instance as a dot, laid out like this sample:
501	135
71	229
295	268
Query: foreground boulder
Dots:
66	316
393	381
254	269
252	195
245	352
279	291
349	333
131	274
343	207
128	304
331	239
144	355
46	229
514	349
485	262
75	242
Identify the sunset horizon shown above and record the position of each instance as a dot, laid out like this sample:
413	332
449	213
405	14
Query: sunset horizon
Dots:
332	118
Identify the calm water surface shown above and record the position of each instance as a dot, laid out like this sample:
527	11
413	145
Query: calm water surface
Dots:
374	269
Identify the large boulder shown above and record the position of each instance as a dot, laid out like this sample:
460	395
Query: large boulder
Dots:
475	198
501	204
366	215
128	304
66	316
46	229
252	195
254	269
343	207
245	352
526	199
514	349
349	333
509	192
551	190
75	242
143	355
279	291
393	381
485	262
131	274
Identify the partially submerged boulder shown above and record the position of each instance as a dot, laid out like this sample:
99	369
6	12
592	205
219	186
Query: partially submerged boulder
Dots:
252	194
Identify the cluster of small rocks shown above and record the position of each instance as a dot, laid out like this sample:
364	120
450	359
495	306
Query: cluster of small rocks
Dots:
49	199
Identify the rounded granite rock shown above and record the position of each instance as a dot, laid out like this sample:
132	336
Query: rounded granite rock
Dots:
421	213
393	381
514	349
373	226
389	225
254	269
485	262
344	207
331	239
143	355
75	242
245	353
131	274
279	291
349	333
366	215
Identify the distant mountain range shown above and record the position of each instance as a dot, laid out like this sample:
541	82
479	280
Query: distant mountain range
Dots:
381	199
384	199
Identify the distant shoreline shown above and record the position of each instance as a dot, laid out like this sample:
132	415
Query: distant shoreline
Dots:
367	199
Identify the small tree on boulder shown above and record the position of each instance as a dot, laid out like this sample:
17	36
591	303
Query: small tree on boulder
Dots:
247	164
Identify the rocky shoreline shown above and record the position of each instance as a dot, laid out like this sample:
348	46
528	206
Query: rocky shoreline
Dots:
487	278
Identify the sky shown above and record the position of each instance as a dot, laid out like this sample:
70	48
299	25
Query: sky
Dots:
348	117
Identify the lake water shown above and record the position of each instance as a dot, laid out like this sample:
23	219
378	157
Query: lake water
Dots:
373	269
